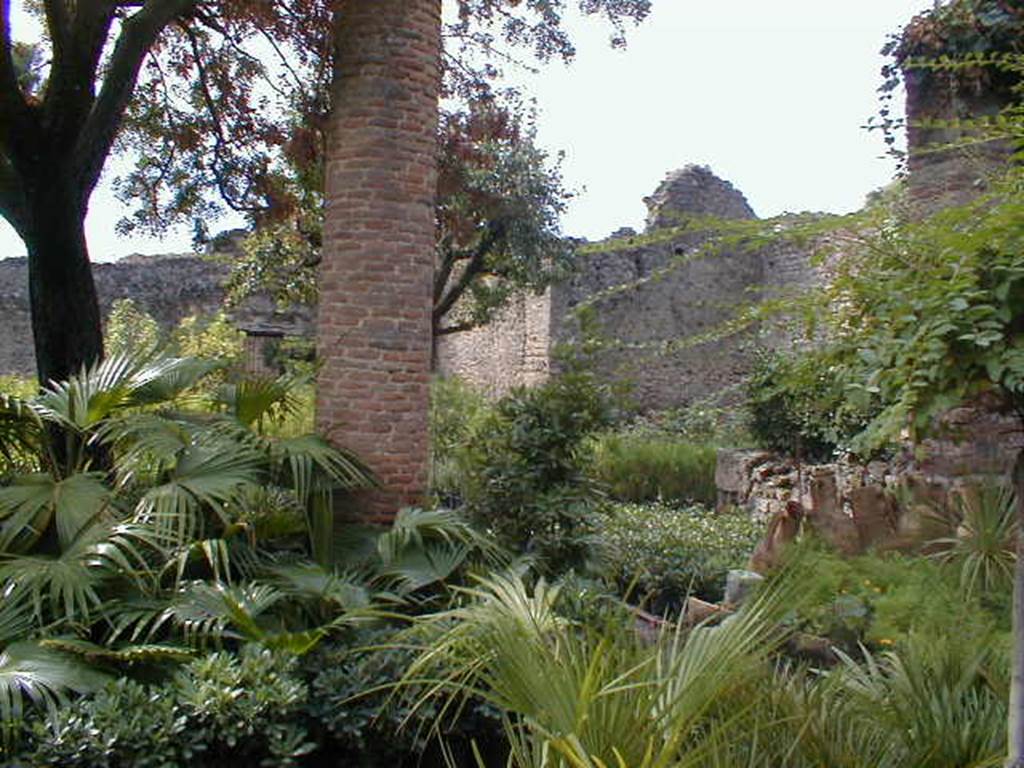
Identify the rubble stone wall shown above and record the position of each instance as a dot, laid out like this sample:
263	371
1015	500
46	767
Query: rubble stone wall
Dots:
889	502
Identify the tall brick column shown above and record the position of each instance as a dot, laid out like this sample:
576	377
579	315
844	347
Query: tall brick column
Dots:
374	325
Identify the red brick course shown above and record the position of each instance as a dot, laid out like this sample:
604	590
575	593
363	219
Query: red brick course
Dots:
375	307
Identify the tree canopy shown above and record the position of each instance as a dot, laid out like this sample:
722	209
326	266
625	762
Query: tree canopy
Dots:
222	102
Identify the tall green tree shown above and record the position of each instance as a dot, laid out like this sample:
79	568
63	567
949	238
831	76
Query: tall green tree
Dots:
497	225
208	94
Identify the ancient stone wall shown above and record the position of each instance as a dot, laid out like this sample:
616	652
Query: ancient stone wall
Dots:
649	301
512	350
170	288
947	165
896	502
650	296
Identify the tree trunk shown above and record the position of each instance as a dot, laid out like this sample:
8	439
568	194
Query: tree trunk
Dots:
1015	758
65	310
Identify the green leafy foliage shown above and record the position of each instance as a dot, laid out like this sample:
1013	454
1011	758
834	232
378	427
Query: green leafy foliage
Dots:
636	468
798	405
130	329
219	710
377	724
524	468
984	545
590	698
881	600
209	338
161	546
927	314
455	410
662	553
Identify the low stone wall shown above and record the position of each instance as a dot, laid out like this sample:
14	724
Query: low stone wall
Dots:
888	503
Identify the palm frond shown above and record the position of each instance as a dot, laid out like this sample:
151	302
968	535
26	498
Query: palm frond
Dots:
121	655
308	581
252	400
589	698
22	434
42	676
416	567
204	480
167	379
93	394
67	587
309	463
29	505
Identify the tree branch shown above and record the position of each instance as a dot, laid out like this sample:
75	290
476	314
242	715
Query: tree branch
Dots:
459	328
444	271
12	198
78	31
494	233
15	114
138	34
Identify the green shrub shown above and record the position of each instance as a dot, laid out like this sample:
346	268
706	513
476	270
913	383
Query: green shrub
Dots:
220	710
372	724
18	386
455	410
880	600
130	330
662	553
210	338
635	468
796	405
524	469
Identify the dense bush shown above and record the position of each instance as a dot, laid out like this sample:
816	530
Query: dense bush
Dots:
524	469
335	706
455	410
130	330
371	724
662	553
636	468
220	710
796	405
881	600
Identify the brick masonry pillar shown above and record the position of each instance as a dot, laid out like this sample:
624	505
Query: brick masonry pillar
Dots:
374	324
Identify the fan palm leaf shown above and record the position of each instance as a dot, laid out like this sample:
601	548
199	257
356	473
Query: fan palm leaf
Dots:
67	587
21	433
28	506
204	480
252	400
41	675
593	699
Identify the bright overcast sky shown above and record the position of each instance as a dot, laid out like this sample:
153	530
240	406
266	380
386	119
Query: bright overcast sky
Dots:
772	94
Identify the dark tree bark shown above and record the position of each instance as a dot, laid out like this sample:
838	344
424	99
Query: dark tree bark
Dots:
66	324
53	146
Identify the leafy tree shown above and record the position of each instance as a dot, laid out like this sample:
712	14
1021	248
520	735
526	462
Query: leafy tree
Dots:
930	314
209	94
498	204
130	329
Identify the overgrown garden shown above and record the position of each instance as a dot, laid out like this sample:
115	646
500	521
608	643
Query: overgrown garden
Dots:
181	584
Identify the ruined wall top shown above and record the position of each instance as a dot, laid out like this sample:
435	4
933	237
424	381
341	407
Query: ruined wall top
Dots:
695	191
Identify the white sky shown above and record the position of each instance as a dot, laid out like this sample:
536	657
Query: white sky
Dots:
772	94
